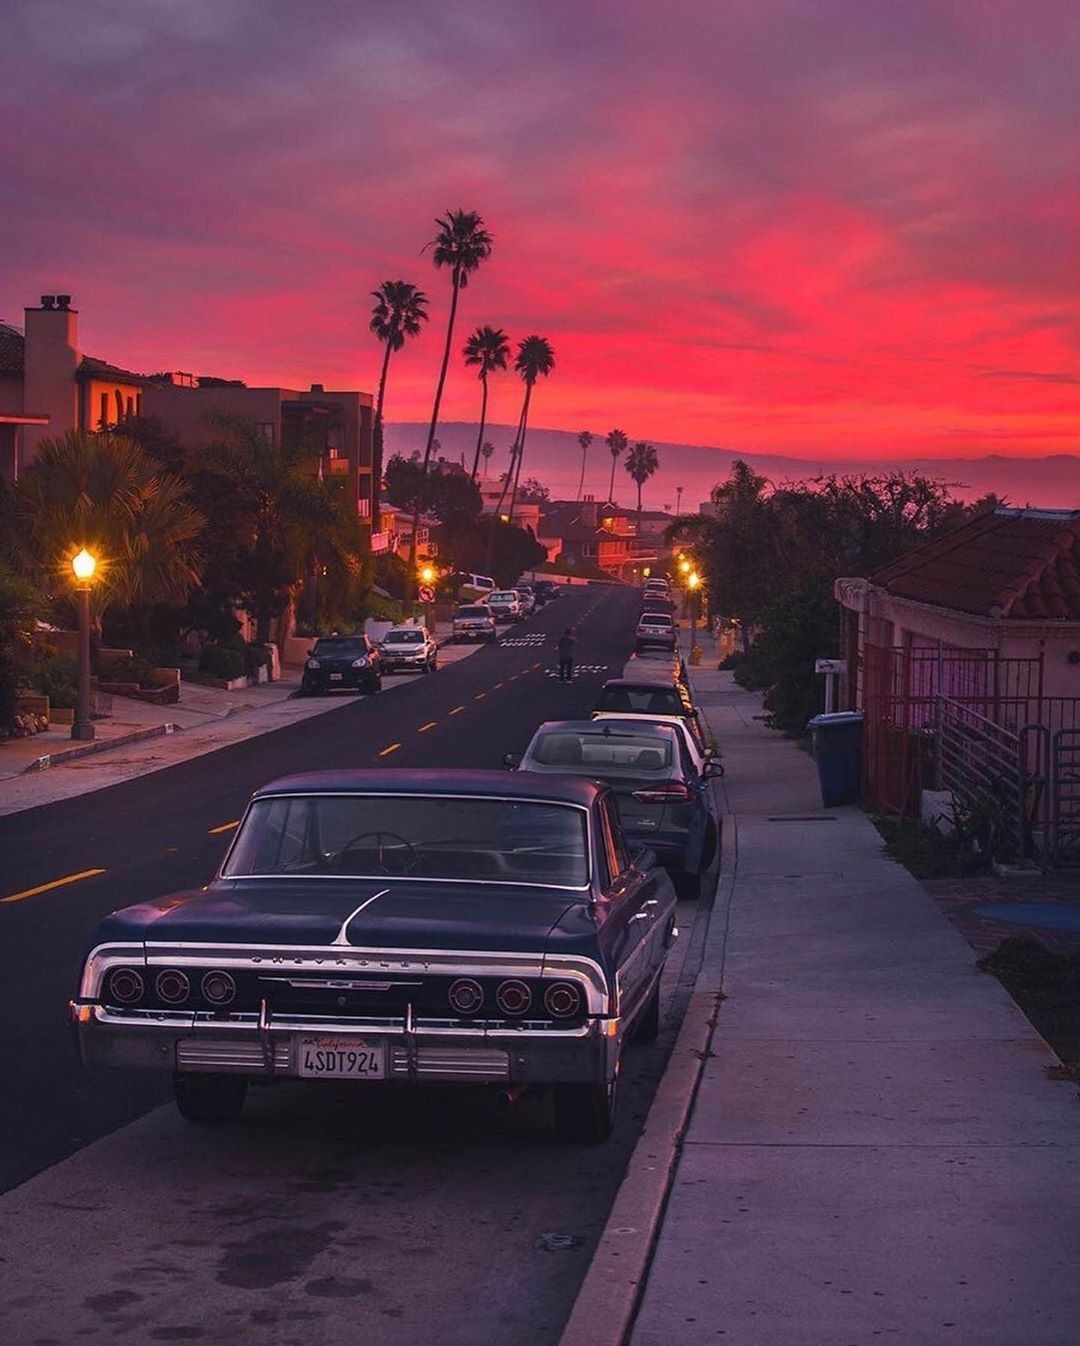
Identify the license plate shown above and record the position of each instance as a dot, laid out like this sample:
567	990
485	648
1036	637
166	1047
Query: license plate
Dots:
336	677
330	1058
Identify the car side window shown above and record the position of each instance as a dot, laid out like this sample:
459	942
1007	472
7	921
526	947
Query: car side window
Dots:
614	843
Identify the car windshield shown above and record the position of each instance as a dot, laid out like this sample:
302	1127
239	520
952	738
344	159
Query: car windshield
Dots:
409	637
604	754
415	837
656	619
472	612
508	597
642	700
341	645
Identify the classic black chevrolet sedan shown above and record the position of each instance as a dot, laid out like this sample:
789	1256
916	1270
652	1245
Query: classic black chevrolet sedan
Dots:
395	927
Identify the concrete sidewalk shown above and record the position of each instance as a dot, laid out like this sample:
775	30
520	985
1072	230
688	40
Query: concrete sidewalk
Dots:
877	1150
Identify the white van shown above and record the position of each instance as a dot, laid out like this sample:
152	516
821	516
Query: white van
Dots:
474	587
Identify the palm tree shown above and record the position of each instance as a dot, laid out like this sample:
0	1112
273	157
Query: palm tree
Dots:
102	491
585	438
617	442
461	244
486	451
534	359
399	310
641	463
488	349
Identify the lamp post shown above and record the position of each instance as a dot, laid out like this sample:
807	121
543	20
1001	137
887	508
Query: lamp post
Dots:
84	566
427	577
693	580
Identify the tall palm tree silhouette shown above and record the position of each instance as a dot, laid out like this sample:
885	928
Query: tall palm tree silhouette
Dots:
641	463
488	349
617	443
585	438
461	244
534	359
399	310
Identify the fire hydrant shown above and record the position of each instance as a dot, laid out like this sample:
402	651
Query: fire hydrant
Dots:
695	655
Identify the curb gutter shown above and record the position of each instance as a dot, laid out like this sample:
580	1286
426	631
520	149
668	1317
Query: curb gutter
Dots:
98	745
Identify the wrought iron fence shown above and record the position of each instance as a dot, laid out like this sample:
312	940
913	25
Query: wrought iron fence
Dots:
983	766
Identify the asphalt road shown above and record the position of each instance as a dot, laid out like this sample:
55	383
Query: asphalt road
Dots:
419	1210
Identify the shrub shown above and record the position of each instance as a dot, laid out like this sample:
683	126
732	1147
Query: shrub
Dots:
256	657
56	677
219	661
134	669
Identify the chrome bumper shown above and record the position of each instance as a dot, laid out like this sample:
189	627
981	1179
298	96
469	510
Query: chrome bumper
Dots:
245	1045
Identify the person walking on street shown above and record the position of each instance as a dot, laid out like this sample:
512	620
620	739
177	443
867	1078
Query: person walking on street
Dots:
567	641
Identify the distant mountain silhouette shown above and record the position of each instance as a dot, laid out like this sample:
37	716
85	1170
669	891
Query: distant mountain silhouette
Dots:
554	457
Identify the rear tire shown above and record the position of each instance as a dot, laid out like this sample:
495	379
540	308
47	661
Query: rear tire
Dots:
209	1099
585	1113
688	887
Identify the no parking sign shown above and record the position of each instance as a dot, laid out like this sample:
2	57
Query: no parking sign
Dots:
426	593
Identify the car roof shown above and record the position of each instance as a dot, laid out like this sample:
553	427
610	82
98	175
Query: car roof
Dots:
645	684
589	727
401	630
408	781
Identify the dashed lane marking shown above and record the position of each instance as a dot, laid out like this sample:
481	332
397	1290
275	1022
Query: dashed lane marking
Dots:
54	883
430	725
479	696
457	710
225	827
387	751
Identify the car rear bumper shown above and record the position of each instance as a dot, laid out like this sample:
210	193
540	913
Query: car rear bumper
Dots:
241	1046
474	633
354	680
655	642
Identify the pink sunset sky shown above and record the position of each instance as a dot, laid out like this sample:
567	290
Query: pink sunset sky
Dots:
786	226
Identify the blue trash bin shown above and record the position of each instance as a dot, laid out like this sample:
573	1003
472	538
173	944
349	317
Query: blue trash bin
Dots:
837	741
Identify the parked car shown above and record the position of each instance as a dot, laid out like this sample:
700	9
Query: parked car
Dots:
337	663
527	596
475	587
505	605
653	665
409	649
657	603
656	586
655	629
395	927
473	621
645	696
662	800
547	591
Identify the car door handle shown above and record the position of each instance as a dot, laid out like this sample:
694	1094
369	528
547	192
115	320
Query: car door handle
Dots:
651	902
642	916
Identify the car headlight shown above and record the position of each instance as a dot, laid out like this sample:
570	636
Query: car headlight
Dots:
313	663
362	662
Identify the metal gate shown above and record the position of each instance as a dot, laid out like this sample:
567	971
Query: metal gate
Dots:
1065	790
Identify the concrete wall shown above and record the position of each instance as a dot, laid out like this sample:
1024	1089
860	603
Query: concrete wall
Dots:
184	410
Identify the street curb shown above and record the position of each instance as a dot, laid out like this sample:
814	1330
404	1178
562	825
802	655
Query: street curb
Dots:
607	1303
99	745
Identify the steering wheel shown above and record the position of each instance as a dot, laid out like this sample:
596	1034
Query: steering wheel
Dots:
408	855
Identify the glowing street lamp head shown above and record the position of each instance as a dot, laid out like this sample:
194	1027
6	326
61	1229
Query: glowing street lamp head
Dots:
647	571
684	566
427	574
693	579
84	566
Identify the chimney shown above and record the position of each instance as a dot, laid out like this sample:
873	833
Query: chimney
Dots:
51	359
588	512
317	388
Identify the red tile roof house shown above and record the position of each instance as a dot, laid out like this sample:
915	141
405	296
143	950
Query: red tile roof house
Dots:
1007	582
585	531
965	657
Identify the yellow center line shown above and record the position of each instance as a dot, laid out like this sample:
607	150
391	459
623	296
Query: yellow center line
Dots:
430	725
457	710
56	883
225	827
392	748
479	696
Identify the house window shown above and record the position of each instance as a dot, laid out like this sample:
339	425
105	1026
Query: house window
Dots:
104	418
129	411
118	395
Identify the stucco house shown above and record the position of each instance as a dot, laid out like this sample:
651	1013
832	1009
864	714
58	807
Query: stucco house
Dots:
1006	585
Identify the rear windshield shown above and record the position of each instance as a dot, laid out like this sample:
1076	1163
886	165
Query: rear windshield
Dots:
582	752
408	637
342	645
504	596
642	700
473	612
413	837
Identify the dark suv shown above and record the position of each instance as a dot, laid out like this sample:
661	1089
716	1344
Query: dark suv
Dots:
340	662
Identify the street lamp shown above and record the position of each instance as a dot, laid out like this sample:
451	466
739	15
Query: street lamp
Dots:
693	580
84	565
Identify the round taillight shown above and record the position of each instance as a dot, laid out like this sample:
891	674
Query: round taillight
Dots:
172	986
219	988
466	995
126	985
513	997
563	1000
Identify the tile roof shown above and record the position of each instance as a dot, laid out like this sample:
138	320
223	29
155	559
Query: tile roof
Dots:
1019	564
11	349
90	368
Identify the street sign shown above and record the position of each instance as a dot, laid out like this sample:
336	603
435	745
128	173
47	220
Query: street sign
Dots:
426	593
830	666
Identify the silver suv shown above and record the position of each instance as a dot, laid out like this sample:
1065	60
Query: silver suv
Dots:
474	621
409	649
506	605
